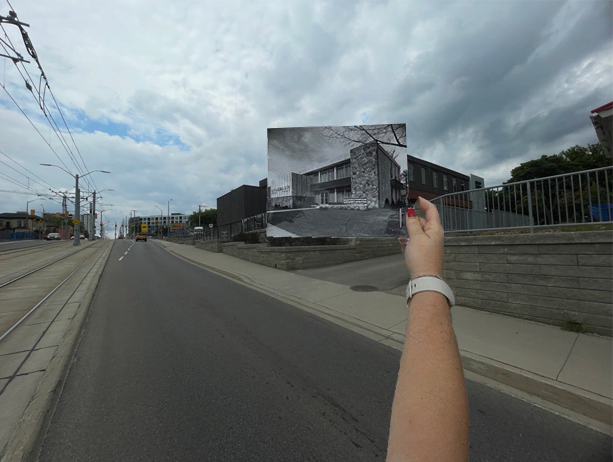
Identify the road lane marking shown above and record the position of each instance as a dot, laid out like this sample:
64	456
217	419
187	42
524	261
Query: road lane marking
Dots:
125	253
121	258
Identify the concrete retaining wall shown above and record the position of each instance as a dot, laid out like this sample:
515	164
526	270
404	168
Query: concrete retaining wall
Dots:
546	277
292	258
211	246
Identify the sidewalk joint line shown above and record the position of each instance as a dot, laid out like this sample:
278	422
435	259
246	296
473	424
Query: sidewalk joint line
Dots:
569	353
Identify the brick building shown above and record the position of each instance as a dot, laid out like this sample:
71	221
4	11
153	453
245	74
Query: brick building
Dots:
20	225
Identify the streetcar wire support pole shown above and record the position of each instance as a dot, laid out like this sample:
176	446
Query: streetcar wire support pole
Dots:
160	224
168	222
77	203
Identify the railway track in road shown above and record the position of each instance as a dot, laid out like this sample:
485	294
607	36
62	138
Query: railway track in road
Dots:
21	296
12	259
29	250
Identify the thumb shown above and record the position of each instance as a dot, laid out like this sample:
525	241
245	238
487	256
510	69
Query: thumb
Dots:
414	227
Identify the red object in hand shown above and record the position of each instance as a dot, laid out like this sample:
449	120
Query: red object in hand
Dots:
410	212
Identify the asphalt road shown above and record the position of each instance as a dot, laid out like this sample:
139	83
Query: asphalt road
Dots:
178	364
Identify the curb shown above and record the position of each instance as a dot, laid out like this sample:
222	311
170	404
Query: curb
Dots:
577	404
30	432
576	400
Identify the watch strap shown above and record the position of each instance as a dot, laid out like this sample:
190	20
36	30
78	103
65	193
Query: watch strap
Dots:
430	283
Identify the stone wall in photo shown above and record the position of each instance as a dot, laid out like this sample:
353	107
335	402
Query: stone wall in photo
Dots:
364	174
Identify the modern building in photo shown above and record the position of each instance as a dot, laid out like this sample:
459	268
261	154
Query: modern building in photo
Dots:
368	177
336	181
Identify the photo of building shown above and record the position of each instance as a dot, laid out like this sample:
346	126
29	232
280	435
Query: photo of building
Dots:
344	181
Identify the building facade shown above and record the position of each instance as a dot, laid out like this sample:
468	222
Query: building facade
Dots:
20	225
242	209
429	180
602	119
156	224
370	176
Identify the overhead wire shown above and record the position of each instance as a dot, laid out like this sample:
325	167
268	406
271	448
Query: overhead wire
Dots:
30	84
31	173
45	109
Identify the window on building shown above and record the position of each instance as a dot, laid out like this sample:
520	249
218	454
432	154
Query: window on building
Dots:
343	171
327	175
423	176
411	172
455	185
445	184
462	185
8	224
435	179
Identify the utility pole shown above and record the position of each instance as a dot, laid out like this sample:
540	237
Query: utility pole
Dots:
77	211
168	222
93	225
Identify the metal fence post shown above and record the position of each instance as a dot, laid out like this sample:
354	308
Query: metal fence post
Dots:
530	209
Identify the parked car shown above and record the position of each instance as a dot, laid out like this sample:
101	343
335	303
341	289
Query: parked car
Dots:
141	237
54	237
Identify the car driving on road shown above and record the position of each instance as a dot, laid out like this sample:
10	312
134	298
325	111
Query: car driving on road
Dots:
141	237
54	237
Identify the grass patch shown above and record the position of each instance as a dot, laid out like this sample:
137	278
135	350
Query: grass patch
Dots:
572	326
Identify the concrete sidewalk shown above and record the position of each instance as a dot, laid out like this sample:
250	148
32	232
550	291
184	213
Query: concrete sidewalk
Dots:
566	372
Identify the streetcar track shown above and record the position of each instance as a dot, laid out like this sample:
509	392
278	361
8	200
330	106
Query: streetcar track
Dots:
33	249
43	266
42	335
33	309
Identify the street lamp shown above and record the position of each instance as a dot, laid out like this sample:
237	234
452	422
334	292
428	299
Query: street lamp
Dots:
133	227
77	202
168	222
92	230
28	211
199	213
161	220
43	232
101	225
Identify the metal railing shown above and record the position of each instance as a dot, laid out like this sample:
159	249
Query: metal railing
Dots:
561	200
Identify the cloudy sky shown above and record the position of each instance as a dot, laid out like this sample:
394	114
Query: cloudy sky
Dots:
174	98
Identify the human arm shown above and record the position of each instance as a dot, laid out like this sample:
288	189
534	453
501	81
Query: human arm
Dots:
430	410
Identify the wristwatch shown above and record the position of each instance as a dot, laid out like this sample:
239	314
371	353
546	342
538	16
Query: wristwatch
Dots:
431	283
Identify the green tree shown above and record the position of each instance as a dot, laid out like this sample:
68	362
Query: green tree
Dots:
206	217
559	200
574	159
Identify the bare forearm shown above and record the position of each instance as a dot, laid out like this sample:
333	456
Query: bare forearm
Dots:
430	410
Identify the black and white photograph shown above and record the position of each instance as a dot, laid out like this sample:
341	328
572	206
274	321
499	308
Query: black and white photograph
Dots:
346	181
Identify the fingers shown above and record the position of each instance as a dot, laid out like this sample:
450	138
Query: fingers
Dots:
430	211
414	226
403	243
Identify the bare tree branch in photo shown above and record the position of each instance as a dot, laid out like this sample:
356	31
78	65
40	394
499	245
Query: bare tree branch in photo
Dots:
389	135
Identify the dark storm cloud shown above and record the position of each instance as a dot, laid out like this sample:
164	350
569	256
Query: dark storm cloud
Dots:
485	69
